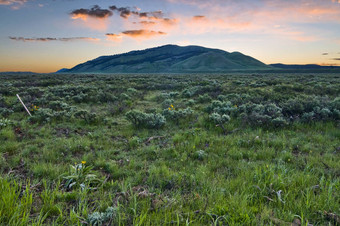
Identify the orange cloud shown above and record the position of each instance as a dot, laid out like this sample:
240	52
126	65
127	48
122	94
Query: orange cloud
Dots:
92	23
114	37
142	33
94	18
136	34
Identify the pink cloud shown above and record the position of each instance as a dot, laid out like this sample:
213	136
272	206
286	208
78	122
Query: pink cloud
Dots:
11	2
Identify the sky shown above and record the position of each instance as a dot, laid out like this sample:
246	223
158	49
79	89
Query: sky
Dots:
47	35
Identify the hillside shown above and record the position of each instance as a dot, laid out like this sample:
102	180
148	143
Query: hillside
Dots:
170	59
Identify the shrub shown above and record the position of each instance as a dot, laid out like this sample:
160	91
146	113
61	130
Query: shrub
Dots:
190	92
43	115
177	115
79	98
167	102
221	107
85	115
143	120
105	97
259	114
219	119
308	117
124	96
132	91
59	106
204	98
5	112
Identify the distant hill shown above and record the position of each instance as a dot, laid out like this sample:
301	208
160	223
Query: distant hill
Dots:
18	73
170	59
302	66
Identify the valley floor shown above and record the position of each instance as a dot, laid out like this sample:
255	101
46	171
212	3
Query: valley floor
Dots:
198	149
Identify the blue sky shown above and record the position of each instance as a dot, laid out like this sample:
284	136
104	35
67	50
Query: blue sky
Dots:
46	35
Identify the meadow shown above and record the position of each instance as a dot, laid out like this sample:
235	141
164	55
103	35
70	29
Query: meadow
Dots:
170	149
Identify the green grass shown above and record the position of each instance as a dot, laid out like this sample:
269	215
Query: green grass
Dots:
186	173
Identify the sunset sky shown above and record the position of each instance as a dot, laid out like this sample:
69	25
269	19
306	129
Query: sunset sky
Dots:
47	35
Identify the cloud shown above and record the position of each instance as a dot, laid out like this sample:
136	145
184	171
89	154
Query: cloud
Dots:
324	54
148	18
126	12
265	17
94	12
53	39
136	34
11	2
94	18
15	4
142	33
144	22
198	17
335	59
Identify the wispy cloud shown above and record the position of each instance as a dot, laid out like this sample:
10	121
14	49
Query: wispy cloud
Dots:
136	34
11	2
15	4
324	54
335	59
48	39
261	16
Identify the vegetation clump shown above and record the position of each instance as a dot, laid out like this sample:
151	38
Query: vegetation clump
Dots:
144	120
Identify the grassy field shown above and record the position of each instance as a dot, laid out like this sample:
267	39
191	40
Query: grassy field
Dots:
237	149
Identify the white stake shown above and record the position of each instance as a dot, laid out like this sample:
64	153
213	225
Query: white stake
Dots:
24	105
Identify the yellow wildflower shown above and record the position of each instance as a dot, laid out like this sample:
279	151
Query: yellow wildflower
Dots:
83	162
169	109
172	106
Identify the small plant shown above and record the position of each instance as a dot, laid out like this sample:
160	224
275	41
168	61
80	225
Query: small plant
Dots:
99	218
4	123
200	155
80	175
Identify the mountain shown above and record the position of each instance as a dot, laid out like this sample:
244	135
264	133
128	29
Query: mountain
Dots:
62	70
170	59
302	66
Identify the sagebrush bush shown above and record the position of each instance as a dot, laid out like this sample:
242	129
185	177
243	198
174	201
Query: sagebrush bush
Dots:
177	115
259	114
221	107
85	115
144	120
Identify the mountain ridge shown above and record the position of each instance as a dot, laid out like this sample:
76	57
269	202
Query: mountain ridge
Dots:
170	59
